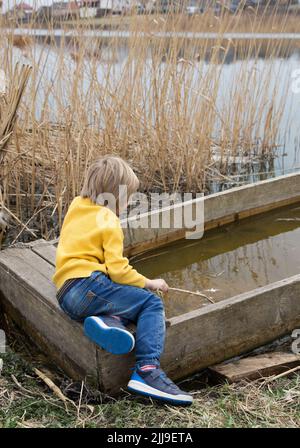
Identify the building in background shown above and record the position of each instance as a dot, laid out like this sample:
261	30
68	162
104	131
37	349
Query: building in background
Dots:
94	8
21	12
64	10
44	14
98	8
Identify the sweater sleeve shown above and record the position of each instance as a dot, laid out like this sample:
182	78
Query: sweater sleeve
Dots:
118	267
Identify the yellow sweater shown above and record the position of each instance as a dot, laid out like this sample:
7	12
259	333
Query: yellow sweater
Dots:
91	239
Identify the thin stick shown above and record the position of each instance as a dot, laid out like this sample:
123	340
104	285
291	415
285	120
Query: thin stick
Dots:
22	388
25	226
200	294
80	399
18	220
9	114
282	374
52	386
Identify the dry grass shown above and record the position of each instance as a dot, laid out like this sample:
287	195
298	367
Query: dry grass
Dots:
243	22
157	105
264	19
9	104
26	402
21	41
251	20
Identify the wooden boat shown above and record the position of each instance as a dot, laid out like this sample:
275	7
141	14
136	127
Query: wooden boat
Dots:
195	339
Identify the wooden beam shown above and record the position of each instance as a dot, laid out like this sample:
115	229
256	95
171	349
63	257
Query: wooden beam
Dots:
28	296
237	325
253	367
46	251
219	209
217	332
194	340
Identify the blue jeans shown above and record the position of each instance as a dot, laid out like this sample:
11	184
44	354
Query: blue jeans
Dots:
97	295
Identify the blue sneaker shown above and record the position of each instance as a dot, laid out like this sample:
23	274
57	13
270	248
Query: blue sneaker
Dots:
109	334
156	384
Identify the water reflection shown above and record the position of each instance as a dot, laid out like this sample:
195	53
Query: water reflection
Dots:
228	261
105	61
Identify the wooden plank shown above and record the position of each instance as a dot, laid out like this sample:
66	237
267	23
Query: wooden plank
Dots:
194	340
252	199
253	367
210	335
46	251
203	337
25	265
233	326
28	295
219	209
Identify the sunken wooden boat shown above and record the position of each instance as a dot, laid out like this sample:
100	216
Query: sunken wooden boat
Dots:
195	339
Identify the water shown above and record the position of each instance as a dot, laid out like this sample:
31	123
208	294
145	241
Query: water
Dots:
229	260
163	34
264	76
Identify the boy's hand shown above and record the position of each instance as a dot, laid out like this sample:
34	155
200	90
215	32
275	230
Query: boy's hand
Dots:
157	283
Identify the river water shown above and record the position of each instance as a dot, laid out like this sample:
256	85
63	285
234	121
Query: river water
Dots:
238	257
111	34
227	261
280	75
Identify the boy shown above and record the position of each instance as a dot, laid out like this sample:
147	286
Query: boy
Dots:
96	284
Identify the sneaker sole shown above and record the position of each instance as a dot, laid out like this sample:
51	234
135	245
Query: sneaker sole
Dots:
112	339
148	391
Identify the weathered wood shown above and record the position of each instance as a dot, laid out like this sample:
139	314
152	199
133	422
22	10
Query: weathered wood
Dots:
203	337
221	331
253	367
217	332
194	340
46	251
219	209
28	295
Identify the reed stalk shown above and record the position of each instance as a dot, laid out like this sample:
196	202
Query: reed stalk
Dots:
159	103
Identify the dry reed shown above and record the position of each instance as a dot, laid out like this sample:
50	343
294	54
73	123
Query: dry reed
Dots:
9	104
154	102
268	18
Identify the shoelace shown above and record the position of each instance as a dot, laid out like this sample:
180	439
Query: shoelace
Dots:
160	373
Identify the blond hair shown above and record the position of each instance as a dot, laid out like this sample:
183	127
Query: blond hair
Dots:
105	175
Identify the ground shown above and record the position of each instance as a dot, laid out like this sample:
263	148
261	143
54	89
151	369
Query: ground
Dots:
26	401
